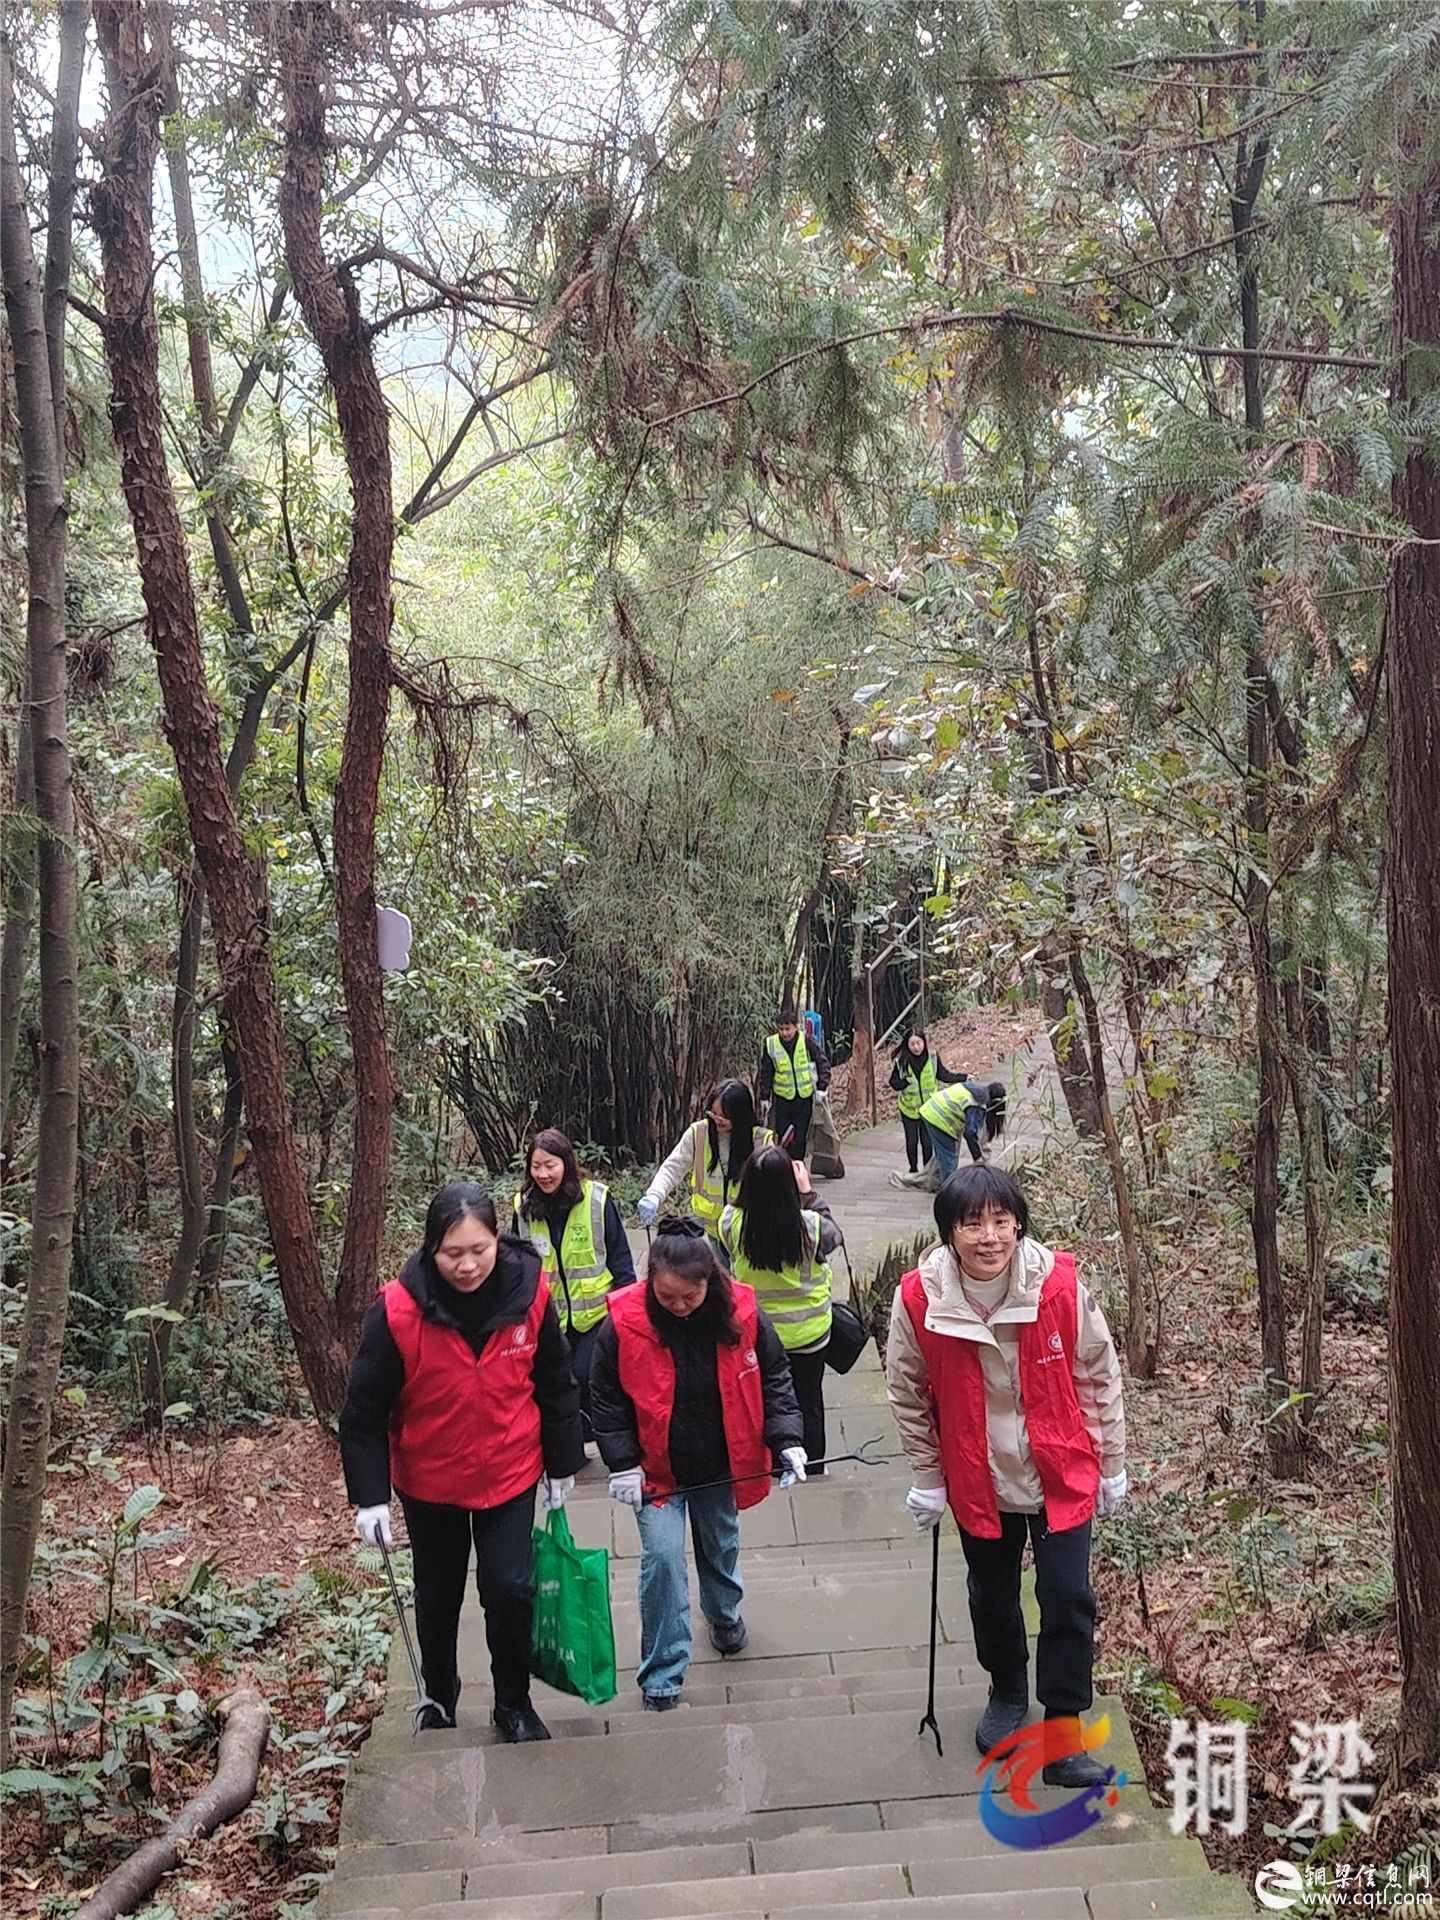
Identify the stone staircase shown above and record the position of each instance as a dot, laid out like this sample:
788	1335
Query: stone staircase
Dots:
793	1783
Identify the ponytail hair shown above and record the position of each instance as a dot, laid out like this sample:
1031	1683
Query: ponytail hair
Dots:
681	1248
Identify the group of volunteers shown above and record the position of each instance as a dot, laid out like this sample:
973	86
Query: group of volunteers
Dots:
939	1109
484	1369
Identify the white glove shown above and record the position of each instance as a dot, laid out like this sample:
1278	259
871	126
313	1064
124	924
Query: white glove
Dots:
373	1525
629	1487
795	1461
1111	1496
646	1209
926	1506
557	1492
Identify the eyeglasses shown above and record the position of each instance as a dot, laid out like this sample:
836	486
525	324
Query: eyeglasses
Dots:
1001	1223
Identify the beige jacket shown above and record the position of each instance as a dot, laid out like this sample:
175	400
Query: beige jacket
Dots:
1098	1385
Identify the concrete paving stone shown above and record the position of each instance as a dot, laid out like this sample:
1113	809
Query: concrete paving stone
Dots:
889	1762
1056	1903
423	1798
660	1867
836	1890
1058	1867
1133	1810
1170	1898
809	1620
723	1713
711	1681
529	1906
777	1687
550	1784
848	1513
950	1837
489	1848
794	1823
359	1894
771	1524
880	1659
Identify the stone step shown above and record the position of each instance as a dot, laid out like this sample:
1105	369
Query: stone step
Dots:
1062	1903
999	1872
726	1771
933	1859
1139	1830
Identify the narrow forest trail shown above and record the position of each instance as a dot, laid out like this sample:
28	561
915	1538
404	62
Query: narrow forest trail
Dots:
795	1781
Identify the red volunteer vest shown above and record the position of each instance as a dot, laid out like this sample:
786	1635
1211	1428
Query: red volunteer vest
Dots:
647	1373
465	1431
1059	1439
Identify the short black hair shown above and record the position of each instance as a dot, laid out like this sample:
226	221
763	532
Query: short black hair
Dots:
971	1190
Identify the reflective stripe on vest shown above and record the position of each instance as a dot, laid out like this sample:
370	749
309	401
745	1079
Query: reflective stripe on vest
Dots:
465	1430
1065	1456
581	1271
946	1108
647	1374
710	1186
918	1087
796	1300
794	1073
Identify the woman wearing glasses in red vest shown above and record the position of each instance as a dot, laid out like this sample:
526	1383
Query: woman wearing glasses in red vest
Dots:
1007	1392
690	1388
462	1396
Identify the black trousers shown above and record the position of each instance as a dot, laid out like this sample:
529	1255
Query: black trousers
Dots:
918	1150
1065	1652
796	1114
807	1370
582	1359
440	1539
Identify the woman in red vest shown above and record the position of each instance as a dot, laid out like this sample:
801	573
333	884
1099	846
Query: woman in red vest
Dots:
690	1386
462	1395
1007	1392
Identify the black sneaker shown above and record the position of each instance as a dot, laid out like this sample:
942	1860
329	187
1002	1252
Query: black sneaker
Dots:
1004	1714
731	1639
520	1724
660	1702
432	1718
1075	1770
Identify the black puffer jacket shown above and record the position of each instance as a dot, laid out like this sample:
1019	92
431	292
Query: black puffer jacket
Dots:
697	1435
378	1372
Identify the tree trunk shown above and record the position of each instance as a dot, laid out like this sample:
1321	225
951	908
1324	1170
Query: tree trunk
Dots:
1140	1348
217	1226
1413	708
19	862
1284	1441
1077	1082
122	218
183	1020
330	303
42	1331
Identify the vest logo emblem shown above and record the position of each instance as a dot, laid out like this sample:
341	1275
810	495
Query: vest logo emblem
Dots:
518	1338
1057	1345
752	1359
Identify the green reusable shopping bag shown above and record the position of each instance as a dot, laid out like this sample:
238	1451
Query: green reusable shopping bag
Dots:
572	1641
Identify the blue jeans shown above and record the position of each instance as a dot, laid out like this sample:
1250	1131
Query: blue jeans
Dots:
665	1583
947	1151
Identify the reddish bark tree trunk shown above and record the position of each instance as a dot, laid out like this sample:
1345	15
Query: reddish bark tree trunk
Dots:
122	218
1413	706
330	303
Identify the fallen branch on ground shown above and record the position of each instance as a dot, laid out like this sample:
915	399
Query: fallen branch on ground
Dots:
237	1772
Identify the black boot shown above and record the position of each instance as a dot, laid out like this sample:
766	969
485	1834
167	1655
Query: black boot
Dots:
519	1723
1004	1714
1075	1770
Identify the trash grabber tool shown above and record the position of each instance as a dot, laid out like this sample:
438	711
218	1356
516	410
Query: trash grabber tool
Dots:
928	1718
422	1698
861	1455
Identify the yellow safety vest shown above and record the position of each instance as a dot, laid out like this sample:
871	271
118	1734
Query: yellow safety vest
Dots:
709	1188
794	1073
580	1279
946	1108
918	1087
796	1300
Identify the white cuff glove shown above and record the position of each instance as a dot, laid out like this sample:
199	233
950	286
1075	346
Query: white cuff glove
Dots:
557	1492
926	1506
629	1487
795	1461
373	1525
646	1210
1111	1496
